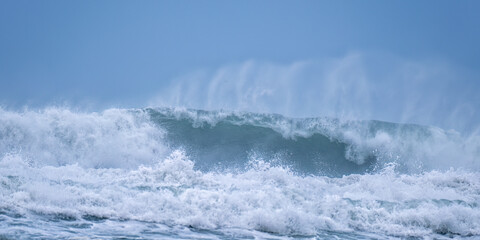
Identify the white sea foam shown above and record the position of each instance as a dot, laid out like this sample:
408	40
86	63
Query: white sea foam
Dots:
263	198
56	136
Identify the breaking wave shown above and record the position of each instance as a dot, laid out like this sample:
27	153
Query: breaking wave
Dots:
193	173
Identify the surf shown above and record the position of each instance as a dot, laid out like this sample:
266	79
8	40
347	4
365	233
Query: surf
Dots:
193	173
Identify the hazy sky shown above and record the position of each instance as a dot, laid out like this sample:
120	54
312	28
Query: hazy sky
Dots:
126	53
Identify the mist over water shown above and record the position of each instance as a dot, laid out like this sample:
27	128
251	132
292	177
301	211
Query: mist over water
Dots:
356	86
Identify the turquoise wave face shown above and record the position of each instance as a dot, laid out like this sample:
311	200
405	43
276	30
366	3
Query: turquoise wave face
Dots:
230	142
320	146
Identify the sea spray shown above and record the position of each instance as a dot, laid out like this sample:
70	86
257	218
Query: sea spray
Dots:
53	136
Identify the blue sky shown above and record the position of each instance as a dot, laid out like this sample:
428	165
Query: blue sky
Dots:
131	53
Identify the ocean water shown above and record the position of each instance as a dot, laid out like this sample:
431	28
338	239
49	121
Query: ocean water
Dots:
170	173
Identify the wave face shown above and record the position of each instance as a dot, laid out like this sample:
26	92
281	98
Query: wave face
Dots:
181	173
319	146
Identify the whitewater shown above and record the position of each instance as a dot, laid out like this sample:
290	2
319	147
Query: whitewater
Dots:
176	173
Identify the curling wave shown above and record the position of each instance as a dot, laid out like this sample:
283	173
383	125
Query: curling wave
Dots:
181	173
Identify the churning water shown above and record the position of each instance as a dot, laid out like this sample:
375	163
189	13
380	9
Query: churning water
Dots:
189	174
